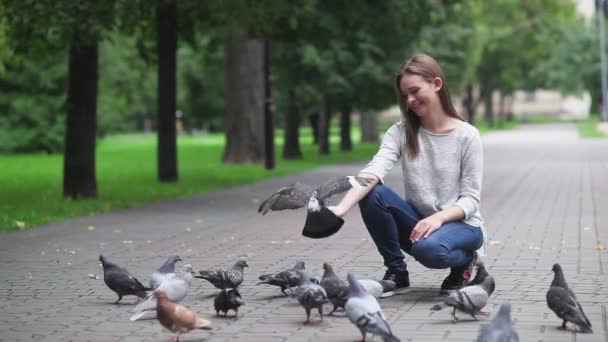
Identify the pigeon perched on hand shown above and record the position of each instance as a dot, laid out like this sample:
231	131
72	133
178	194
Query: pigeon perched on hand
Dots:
226	301
175	288
298	195
563	302
481	275
500	329
121	281
164	272
310	295
470	299
336	289
225	279
363	310
177	318
284	279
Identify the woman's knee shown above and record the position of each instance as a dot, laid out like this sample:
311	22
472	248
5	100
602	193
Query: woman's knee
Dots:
431	254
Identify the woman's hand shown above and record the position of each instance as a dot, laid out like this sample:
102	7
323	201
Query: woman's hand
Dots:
426	227
336	209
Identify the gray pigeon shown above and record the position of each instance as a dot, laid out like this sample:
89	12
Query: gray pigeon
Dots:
284	279
226	301
175	288
225	279
363	310
121	281
470	299
481	275
164	272
500	329
310	295
298	195
563	302
336	289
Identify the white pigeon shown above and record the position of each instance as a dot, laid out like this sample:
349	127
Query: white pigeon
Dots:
363	310
470	299
164	272
175	289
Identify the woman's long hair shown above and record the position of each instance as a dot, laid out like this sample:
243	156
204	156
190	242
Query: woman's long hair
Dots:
426	67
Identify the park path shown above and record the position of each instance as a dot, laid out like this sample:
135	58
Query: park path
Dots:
545	199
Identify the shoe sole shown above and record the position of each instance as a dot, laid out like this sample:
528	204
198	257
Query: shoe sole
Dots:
400	291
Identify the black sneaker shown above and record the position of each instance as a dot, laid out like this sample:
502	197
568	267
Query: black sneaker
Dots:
459	277
395	282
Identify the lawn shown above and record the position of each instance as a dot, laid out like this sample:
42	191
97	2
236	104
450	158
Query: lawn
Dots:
126	175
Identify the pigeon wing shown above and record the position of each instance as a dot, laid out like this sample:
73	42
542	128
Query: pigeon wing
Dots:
339	185
565	306
293	196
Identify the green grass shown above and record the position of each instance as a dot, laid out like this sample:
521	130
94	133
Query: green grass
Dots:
126	175
588	128
499	126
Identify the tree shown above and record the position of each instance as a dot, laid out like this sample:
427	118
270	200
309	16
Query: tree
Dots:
166	26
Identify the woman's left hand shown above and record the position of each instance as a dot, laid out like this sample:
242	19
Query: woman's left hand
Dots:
425	227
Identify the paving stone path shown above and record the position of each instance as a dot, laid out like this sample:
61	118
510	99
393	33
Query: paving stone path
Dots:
545	199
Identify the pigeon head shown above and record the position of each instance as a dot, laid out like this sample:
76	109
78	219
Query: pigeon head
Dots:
327	267
173	259
302	278
557	268
558	277
169	265
355	288
104	261
313	202
504	312
241	264
299	265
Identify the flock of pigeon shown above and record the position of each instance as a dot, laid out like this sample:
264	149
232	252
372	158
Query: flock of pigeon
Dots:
356	297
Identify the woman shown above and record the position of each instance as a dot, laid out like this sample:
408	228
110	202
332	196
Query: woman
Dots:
439	222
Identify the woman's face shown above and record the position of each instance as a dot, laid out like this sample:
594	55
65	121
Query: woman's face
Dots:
421	95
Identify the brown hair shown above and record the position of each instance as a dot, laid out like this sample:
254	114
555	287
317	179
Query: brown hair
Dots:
426	67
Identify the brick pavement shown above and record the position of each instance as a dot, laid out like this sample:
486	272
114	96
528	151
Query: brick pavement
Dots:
545	199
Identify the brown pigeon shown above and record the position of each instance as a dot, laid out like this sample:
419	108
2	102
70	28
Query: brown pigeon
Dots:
177	318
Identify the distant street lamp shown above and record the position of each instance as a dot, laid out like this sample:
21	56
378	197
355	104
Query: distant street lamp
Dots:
603	59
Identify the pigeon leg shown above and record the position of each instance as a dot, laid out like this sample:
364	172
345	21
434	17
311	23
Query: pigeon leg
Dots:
564	324
363	333
454	315
484	313
236	312
474	317
177	339
283	290
320	308
307	315
332	311
118	300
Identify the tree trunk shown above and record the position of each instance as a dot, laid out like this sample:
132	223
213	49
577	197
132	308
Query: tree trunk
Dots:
486	93
166	35
269	160
324	121
79	178
291	148
244	100
346	143
369	127
314	125
469	104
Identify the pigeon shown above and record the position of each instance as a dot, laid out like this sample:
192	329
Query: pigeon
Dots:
177	318
563	302
166	271
225	279
176	290
377	288
226	301
481	275
284	279
337	291
363	310
298	195
310	295
470	299
500	329
121	281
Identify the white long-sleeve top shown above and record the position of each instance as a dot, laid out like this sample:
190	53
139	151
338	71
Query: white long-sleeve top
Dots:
448	169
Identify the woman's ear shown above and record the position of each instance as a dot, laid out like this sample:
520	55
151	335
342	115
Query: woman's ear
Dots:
438	83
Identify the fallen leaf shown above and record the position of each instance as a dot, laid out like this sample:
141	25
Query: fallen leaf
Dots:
495	242
199	221
91	228
20	224
72	252
599	247
93	276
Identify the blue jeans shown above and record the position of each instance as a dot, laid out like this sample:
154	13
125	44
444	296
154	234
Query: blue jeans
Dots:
390	220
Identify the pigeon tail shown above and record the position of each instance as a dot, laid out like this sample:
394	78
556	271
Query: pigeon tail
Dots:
390	338
144	315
